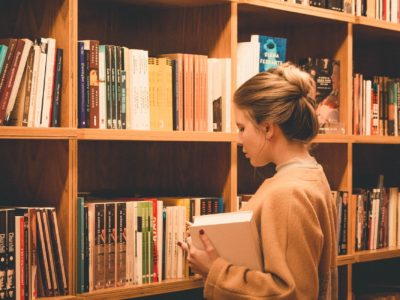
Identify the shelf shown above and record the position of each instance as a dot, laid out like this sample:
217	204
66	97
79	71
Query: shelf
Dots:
57	298
377	24
343	260
14	132
331	138
292	13
182	3
166	286
371	255
359	139
150	135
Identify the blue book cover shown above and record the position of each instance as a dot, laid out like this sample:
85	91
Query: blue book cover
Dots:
3	52
272	51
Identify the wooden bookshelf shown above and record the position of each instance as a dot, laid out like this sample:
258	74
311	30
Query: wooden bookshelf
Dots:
49	166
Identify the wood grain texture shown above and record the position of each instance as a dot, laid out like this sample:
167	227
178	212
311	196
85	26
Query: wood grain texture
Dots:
36	173
153	168
45	18
199	30
370	160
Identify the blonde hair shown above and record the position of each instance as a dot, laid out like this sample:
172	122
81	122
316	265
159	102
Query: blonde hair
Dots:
284	96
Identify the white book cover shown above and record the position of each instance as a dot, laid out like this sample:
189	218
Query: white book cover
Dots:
144	100
398	219
48	83
40	82
226	93
138	247
102	88
128	80
168	243
18	76
392	226
234	235
35	72
210	86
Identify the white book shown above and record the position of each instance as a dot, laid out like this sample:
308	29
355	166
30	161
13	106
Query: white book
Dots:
144	102
40	82
168	243
128	62
34	85
102	88
234	235
226	93
48	83
398	219
392	226
18	76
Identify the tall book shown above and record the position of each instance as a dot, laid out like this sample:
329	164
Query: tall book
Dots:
223	231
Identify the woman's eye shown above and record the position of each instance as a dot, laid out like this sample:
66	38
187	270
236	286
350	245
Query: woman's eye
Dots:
240	129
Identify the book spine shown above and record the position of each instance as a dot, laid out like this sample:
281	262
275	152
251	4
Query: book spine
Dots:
120	247
86	249
3	254
80	261
12	44
57	249
81	86
94	83
56	106
109	250
10	79
10	256
98	251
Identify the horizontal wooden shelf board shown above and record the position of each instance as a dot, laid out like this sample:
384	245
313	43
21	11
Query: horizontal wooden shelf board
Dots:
376	139
186	3
150	135
166	286
36	133
372	22
371	255
298	11
345	260
332	138
57	298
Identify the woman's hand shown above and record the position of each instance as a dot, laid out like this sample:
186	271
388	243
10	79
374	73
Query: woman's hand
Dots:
200	261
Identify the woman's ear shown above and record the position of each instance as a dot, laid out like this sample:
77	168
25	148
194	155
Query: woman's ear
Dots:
268	128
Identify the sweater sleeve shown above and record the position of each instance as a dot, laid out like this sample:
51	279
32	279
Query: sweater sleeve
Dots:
291	241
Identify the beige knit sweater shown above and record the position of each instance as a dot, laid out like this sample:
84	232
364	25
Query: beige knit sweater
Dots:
296	220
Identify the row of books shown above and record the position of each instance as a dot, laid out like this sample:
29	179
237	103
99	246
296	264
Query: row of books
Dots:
376	104
377	215
386	10
122	88
30	82
31	257
130	241
341	200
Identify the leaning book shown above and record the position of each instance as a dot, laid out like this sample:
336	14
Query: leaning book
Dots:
233	234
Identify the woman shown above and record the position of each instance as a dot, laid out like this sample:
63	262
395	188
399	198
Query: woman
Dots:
294	210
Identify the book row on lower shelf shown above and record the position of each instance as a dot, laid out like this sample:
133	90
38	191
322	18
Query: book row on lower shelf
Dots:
377	218
31	256
30	82
124	88
132	241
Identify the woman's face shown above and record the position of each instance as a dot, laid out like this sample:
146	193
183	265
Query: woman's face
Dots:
252	138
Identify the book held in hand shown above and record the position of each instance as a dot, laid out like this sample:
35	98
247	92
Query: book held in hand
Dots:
233	234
